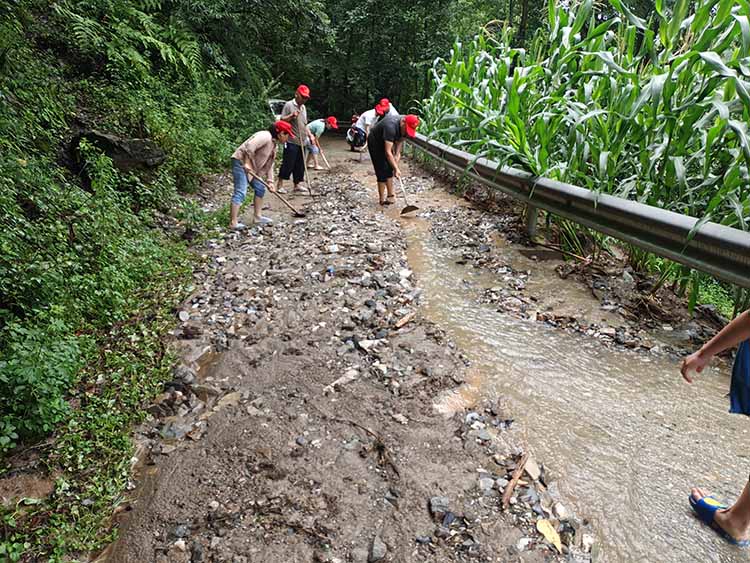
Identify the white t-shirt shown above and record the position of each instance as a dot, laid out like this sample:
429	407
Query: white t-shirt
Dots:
392	111
368	118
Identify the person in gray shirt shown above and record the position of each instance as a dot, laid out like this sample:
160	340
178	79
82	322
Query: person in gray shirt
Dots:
292	164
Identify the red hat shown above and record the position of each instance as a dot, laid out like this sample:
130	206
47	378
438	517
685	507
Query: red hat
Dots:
380	110
331	121
303	91
283	127
412	122
385	103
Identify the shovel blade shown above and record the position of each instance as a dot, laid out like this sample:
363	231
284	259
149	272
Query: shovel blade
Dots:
409	209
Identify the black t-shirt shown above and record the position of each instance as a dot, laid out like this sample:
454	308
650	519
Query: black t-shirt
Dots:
387	129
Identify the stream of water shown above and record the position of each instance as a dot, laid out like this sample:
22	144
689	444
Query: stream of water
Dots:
624	433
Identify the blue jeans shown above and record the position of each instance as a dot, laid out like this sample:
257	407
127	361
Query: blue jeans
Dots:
240	183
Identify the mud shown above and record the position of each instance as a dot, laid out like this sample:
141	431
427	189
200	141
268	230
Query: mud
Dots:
310	434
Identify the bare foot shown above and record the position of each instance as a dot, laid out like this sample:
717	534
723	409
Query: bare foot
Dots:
725	519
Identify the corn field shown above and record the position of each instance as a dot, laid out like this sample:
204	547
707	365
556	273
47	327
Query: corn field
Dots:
654	111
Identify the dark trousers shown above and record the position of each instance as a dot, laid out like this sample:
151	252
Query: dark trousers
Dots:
292	163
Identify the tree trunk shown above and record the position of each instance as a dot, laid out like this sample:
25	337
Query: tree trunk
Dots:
524	22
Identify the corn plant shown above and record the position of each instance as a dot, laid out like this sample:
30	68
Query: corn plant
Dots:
654	111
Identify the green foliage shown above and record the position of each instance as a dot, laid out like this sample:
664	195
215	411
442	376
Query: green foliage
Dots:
654	111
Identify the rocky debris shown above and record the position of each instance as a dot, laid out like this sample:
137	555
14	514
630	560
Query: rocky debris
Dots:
378	550
306	353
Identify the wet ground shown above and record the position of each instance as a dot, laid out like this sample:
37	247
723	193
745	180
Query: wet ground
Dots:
358	386
623	433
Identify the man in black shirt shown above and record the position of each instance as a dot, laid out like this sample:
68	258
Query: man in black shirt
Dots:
384	145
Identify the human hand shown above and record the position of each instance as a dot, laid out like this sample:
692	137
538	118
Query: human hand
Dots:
270	186
693	364
397	173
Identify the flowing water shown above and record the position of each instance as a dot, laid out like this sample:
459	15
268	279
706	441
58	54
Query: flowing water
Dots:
626	436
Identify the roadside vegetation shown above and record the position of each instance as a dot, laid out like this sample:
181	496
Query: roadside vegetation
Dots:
654	110
92	257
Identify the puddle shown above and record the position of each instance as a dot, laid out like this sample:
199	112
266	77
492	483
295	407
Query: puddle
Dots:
619	430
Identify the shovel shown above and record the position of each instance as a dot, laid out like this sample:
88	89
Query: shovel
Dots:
325	159
278	195
409	208
308	175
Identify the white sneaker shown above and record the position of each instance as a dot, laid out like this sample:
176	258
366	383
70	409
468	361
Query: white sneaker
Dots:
262	220
238	227
281	190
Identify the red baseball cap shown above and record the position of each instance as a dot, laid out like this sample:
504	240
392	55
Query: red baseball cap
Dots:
303	91
380	110
412	122
385	103
332	122
284	127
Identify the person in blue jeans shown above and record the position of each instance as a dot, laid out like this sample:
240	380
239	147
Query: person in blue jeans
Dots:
730	522
253	160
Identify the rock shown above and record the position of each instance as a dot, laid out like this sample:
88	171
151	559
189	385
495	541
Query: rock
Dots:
378	550
587	541
126	154
400	418
484	435
213	505
423	540
184	374
301	441
184	316
439	506
181	531
560	511
532	469
486	484
181	545
359	555
524	543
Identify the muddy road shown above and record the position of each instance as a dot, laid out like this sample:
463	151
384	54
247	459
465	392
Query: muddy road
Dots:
357	386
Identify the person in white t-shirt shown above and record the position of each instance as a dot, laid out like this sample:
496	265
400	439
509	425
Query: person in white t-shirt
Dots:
386	104
357	135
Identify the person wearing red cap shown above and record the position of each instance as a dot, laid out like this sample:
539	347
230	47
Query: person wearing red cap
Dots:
316	128
389	108
386	140
252	160
358	134
295	113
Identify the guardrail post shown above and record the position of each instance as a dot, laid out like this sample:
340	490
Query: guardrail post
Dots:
532	214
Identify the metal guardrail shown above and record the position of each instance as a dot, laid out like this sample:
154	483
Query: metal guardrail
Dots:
721	251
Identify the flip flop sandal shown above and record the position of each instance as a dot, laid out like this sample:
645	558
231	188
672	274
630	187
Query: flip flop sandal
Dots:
705	509
388	202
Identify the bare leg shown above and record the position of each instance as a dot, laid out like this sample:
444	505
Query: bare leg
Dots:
389	184
382	186
234	211
257	206
736	519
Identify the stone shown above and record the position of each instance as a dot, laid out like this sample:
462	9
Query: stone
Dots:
184	374
532	469
184	316
181	531
560	511
378	550
439	506
486	484
301	441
